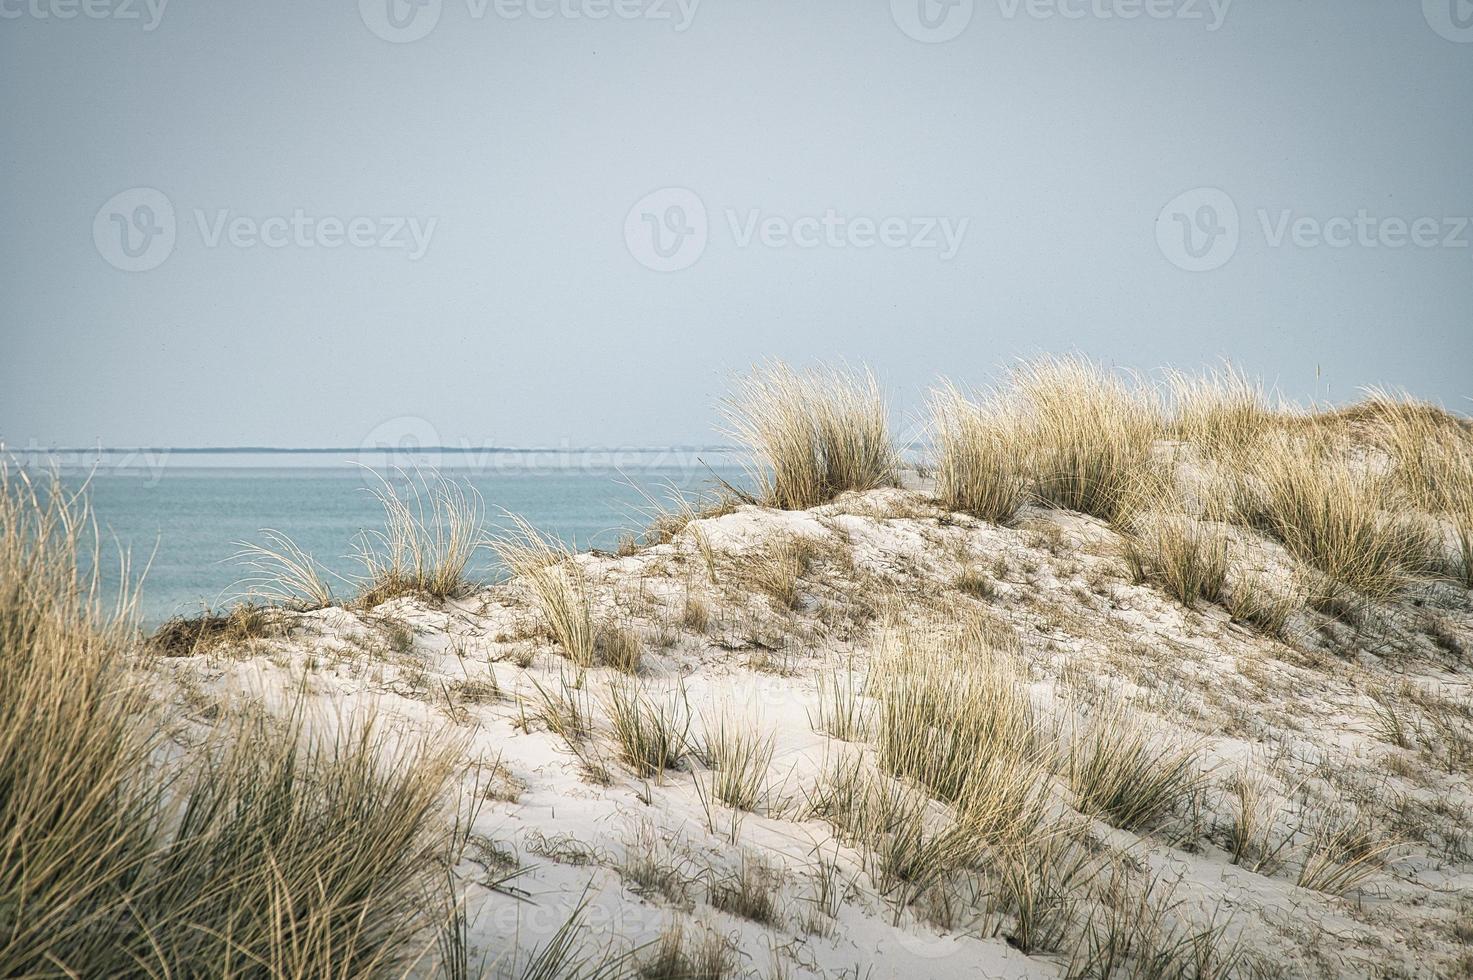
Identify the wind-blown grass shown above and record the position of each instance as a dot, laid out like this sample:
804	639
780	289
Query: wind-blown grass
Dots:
1223	412
266	853
815	434
280	572
559	587
432	527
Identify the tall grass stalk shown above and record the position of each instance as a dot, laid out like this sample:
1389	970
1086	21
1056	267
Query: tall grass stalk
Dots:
815	434
979	455
432	528
1090	432
559	587
267	852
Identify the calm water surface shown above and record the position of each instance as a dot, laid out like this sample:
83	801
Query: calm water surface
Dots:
184	521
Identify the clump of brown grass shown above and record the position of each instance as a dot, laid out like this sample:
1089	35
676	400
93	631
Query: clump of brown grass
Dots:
1089	432
559	587
815	434
1128	774
1186	557
1431	456
944	713
187	636
978	455
1330	510
1343	855
678	956
1253	598
432	527
1221	411
777	570
619	647
653	733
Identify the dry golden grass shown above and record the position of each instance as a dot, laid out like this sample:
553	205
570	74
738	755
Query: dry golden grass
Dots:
1089	432
945	714
1126	772
558	585
1222	411
1186	557
1343	856
265	853
1331	511
814	434
653	733
978	455
432	527
619	647
1431	455
280	572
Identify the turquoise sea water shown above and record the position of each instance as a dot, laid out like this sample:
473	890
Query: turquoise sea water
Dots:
181	517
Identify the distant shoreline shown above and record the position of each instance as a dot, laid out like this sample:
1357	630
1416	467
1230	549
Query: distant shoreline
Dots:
338	450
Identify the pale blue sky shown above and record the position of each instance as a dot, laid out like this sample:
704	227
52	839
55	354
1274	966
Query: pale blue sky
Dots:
528	319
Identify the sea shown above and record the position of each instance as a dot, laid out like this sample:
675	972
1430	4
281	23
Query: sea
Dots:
180	517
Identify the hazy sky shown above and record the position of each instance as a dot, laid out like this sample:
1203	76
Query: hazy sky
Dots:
537	222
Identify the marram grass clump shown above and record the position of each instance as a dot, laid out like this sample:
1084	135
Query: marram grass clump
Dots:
815	434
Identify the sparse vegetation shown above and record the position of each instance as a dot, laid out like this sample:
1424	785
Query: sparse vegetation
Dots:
432	527
557	584
740	758
1025	742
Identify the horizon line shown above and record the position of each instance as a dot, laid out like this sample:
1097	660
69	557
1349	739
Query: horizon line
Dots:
353	450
